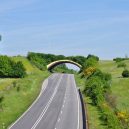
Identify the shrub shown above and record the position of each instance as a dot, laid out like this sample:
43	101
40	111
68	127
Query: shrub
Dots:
125	73
90	62
124	118
118	59
121	64
94	89
1	101
9	68
109	117
89	71
110	99
19	70
93	56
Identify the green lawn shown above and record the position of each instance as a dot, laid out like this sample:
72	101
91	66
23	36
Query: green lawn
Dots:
19	96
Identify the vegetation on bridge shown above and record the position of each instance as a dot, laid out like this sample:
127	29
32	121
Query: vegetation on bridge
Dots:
41	60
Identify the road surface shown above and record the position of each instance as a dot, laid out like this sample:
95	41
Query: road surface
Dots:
57	107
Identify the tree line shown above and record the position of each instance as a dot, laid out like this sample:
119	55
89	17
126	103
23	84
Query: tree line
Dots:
41	60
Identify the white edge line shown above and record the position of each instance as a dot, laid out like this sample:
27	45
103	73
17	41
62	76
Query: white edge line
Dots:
78	104
45	82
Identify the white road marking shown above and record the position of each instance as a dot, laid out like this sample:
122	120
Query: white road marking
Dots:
59	120
45	82
78	102
47	106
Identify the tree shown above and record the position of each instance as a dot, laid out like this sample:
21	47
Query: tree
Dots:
90	62
93	56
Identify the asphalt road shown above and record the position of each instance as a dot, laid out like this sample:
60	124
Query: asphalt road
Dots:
57	107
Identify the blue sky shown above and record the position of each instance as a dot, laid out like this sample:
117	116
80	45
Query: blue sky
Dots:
69	27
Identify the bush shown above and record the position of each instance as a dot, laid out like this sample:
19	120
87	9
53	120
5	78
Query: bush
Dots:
118	59
93	56
90	62
110	99
125	73
89	71
109	117
121	65
9	68
1	102
94	89
19	70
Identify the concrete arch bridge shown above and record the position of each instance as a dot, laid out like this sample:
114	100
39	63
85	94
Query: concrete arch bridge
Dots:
58	62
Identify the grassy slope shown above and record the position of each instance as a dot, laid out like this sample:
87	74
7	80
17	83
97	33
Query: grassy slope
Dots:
28	66
17	101
120	86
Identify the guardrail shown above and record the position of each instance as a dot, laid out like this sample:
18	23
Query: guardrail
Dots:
84	114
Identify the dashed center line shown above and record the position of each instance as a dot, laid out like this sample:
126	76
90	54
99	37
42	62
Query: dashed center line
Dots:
59	120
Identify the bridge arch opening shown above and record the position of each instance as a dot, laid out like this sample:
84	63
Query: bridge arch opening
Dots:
58	62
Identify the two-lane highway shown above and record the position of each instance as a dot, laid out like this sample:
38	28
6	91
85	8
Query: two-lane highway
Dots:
57	107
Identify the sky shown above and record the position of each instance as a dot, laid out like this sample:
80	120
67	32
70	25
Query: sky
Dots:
68	27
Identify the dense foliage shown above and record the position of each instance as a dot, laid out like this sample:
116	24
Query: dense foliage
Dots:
9	68
125	73
93	56
121	64
97	87
118	59
41	59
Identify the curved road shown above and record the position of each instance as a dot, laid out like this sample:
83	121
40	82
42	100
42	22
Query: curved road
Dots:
57	107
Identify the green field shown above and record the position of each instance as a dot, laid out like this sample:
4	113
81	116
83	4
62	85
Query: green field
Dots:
119	87
19	93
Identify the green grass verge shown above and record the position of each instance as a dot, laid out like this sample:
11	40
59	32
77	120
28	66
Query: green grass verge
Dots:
20	95
93	112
